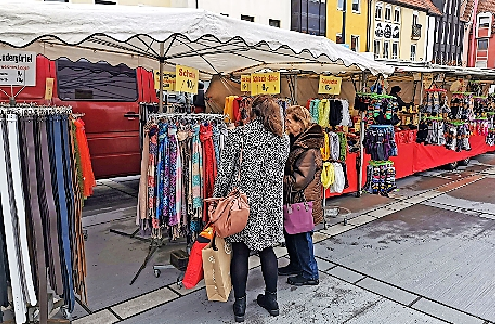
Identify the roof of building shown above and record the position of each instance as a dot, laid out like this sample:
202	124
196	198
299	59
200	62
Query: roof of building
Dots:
420	4
483	6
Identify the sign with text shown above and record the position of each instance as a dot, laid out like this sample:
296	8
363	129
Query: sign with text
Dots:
330	85
186	79
245	82
17	68
268	83
168	81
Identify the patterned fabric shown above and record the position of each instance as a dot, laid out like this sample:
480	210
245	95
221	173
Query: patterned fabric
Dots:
197	166
324	113
151	172
262	170
162	171
172	218
209	163
216	143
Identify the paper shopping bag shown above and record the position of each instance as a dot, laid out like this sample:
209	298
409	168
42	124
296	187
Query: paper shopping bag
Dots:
216	265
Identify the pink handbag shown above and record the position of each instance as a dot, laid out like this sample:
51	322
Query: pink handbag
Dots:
298	217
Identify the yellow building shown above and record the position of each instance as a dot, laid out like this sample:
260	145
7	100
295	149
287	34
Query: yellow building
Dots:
353	33
399	29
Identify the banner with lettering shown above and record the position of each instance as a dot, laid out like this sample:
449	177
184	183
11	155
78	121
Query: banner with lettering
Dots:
186	79
17	68
168	81
330	85
265	83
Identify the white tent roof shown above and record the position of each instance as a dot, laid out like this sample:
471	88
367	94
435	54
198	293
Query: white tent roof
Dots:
206	41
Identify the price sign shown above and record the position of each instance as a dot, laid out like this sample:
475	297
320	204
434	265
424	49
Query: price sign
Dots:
427	80
330	84
168	81
245	83
187	79
17	68
49	88
265	83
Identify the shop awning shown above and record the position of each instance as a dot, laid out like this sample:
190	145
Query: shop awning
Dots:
204	40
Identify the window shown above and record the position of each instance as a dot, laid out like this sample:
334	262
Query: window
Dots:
413	52
377	46
247	18
388	13
354	43
378	11
397	15
339	39
356	5
415	18
481	64
340	4
395	50
274	23
483	44
309	16
484	22
386	46
105	2
83	80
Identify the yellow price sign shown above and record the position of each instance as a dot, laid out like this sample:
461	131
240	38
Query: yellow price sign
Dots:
330	84
187	79
245	82
265	83
49	89
168	81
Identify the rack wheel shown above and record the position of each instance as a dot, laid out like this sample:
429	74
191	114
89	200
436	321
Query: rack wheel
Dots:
157	273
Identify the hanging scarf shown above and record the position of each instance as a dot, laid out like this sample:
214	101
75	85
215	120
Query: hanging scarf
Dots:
172	216
324	113
197	166
325	150
314	111
327	175
152	172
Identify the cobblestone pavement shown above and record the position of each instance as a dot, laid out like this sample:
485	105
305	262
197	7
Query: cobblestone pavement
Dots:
423	255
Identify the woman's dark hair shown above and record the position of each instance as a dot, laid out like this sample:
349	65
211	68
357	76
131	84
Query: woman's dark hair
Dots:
266	110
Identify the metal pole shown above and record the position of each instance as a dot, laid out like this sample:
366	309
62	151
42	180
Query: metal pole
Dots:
295	90
162	60
422	94
361	147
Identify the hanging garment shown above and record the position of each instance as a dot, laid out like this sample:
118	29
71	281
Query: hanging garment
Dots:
339	183
153	134
314	111
4	266
324	113
162	177
335	146
31	194
325	150
197	165
327	175
346	117
209	163
216	143
142	210
183	135
14	252
87	170
336	112
342	146
172	218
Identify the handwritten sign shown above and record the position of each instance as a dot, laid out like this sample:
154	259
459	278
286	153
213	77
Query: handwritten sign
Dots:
330	84
49	89
168	81
17	68
186	78
245	82
265	83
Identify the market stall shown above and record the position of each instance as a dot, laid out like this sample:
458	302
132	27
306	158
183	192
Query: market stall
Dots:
192	43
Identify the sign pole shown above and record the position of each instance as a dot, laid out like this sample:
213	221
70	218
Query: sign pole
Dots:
162	60
361	147
421	99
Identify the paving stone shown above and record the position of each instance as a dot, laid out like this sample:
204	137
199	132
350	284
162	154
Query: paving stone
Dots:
361	220
319	236
395	207
279	251
139	304
380	212
253	262
183	291
336	229
345	274
445	313
389	291
101	317
324	265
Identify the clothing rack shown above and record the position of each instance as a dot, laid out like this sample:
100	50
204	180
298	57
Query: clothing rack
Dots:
40	169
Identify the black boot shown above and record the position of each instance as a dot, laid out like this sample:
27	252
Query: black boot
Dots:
239	309
269	302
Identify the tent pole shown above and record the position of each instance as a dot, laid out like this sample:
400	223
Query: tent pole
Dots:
162	59
361	147
421	99
295	90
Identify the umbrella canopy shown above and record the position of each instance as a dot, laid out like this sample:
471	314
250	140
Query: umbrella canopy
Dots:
209	42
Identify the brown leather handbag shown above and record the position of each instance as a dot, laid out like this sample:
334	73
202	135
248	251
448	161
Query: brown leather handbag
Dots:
229	215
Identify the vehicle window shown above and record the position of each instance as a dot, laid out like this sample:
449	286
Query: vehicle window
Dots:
83	80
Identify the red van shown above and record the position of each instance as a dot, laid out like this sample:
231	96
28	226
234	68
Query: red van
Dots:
109	96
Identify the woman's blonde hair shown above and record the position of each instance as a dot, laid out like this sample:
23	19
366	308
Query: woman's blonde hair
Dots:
300	115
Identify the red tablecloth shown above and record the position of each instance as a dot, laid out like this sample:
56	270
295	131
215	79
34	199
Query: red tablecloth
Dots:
413	158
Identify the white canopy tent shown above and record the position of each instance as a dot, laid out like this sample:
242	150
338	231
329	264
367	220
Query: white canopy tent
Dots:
209	42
